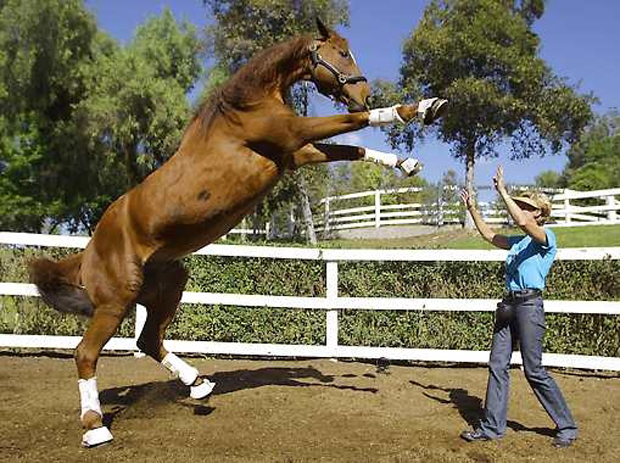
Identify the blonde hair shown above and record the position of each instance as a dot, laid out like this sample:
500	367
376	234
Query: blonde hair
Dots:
542	201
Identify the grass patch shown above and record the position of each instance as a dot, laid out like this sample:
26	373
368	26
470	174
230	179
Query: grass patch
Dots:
568	237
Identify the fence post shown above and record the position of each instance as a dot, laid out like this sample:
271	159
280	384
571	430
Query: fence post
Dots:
332	315
440	217
271	229
140	321
326	218
611	214
377	208
567	218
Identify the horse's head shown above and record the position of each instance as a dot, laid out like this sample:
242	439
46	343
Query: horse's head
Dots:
335	72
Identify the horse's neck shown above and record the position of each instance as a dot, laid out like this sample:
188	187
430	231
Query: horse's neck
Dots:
287	63
295	63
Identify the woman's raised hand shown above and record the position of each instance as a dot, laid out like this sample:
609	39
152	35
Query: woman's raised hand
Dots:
466	198
498	180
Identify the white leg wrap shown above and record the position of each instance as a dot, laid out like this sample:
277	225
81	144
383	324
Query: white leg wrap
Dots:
383	116
89	396
96	437
186	373
386	159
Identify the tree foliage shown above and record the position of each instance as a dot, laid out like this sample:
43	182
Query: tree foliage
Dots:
244	27
135	110
594	162
548	179
44	49
82	118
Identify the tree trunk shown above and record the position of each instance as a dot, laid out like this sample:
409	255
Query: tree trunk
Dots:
301	181
469	181
305	207
131	165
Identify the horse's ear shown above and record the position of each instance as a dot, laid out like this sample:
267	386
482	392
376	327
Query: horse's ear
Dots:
323	30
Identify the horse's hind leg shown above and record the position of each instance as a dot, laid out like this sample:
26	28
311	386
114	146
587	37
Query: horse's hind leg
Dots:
161	294
105	321
113	284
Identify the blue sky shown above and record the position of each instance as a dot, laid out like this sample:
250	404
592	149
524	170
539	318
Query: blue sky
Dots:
579	42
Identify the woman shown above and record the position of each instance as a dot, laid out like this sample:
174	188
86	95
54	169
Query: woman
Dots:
520	315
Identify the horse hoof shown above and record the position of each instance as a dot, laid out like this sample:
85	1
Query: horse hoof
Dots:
432	109
96	437
410	166
202	390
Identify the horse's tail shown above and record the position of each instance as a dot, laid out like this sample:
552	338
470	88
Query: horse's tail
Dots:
57	283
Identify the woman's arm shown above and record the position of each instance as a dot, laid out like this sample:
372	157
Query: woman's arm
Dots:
487	233
525	222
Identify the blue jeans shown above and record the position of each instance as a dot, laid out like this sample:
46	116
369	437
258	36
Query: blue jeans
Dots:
528	325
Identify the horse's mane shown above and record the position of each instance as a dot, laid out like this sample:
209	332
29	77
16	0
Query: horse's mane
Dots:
256	77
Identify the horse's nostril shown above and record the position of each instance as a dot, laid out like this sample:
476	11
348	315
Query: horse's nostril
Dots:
355	107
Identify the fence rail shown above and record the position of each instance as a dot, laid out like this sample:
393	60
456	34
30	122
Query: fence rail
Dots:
569	208
331	304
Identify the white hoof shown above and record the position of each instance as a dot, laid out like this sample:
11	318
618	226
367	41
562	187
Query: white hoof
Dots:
202	390
410	166
96	436
431	109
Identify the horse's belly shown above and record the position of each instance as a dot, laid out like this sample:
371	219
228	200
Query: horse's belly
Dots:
198	211
180	239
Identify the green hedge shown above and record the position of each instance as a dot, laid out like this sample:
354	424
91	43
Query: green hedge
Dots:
566	333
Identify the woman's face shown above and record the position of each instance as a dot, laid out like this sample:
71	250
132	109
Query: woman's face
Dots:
530	210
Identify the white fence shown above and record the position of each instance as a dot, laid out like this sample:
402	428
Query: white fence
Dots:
331	303
570	208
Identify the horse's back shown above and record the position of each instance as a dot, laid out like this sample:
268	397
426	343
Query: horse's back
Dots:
198	195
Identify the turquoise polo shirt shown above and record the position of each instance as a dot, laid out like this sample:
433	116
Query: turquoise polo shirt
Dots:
529	261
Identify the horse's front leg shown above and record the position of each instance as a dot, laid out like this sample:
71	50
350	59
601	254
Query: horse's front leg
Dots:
313	153
309	129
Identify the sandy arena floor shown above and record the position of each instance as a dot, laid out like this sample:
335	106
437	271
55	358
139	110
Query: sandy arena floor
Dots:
290	411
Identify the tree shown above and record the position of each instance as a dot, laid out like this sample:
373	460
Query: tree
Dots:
548	179
594	162
83	119
136	109
243	27
483	56
44	47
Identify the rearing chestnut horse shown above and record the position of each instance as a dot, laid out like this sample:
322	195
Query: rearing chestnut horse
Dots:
235	149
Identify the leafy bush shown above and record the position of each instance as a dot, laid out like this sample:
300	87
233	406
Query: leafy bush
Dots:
566	333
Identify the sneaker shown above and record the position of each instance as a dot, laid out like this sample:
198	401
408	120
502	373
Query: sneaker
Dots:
474	436
562	442
431	109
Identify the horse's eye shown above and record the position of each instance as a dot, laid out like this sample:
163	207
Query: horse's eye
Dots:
344	53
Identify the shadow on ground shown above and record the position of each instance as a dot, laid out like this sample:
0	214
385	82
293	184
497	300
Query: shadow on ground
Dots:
159	394
470	408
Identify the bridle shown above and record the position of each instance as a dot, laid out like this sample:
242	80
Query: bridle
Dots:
341	78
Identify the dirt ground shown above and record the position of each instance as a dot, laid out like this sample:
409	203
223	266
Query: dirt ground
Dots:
290	411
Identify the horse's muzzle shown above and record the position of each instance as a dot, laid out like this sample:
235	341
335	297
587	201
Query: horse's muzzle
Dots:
355	107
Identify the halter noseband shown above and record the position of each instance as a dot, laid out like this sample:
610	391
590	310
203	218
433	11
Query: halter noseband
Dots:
342	79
